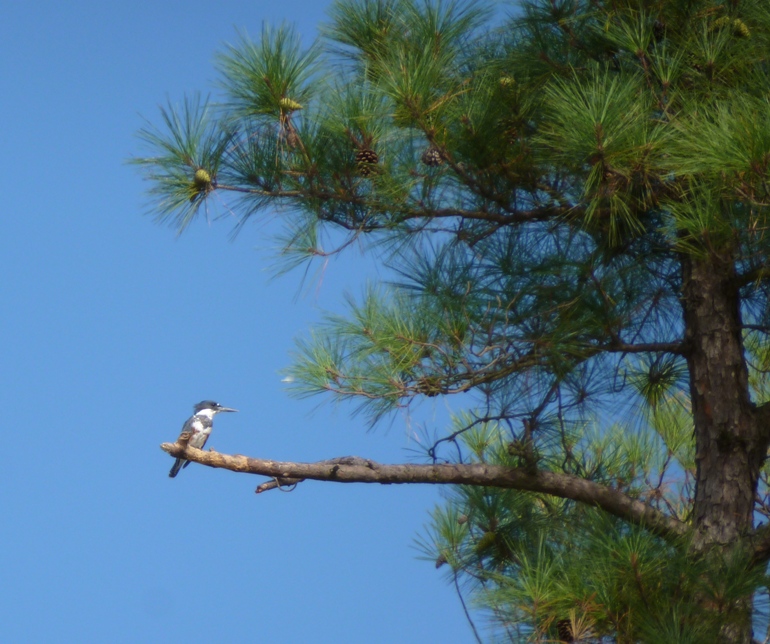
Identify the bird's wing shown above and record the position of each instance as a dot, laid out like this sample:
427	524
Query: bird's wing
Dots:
199	439
188	428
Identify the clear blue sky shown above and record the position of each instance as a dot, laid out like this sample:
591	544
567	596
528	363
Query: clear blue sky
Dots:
111	329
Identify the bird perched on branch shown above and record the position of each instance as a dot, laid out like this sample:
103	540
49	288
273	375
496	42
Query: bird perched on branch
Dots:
197	429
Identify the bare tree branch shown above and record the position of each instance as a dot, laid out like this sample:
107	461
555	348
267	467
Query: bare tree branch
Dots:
678	348
761	545
352	469
762	414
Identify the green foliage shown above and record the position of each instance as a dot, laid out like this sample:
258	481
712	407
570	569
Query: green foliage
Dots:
758	350
730	137
581	156
536	561
366	27
598	126
257	77
192	141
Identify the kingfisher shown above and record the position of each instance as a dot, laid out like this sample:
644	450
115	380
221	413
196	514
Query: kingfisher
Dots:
199	425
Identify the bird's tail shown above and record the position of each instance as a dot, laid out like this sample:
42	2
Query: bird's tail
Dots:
178	464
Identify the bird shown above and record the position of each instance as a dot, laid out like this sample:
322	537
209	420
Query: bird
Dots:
198	427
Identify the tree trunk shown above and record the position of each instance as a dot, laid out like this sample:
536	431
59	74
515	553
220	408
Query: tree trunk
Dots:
729	449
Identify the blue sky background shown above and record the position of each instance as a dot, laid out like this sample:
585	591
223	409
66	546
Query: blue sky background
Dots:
104	316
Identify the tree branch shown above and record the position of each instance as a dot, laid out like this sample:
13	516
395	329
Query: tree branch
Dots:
760	547
402	212
352	469
677	348
752	275
762	419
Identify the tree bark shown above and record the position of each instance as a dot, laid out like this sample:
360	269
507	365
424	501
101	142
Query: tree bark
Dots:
729	449
730	441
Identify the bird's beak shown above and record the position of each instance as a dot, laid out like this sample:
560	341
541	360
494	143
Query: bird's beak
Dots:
226	409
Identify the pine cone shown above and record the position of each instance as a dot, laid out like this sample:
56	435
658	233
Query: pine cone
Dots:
659	30
366	159
740	30
201	184
288	105
485	542
431	157
202	179
564	629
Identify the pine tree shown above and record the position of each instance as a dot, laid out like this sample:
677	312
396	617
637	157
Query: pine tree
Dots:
573	199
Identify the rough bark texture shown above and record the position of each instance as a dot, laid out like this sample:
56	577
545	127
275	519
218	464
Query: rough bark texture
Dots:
728	442
729	438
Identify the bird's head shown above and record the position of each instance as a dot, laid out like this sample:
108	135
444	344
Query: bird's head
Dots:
209	408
